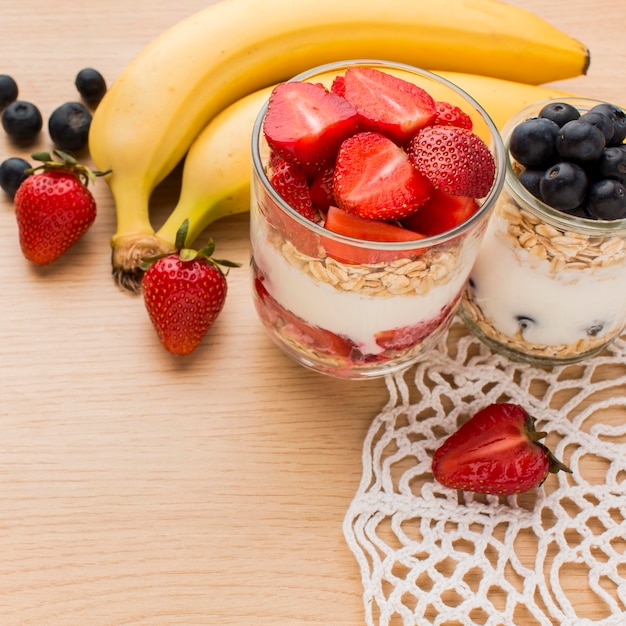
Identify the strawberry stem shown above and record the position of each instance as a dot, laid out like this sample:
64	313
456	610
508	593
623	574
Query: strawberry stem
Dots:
66	163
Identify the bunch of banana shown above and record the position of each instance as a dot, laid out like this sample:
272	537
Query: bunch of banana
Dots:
166	95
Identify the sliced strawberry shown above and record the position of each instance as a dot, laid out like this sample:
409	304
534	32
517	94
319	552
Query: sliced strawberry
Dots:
276	316
321	190
290	183
451	115
374	179
388	104
496	451
454	160
339	86
356	227
441	213
305	123
408	336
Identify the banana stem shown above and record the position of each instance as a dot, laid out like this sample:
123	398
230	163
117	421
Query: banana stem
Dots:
134	239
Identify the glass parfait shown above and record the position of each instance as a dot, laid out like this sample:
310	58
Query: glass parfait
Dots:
355	308
548	287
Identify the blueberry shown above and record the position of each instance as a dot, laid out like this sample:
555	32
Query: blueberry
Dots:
618	117
69	126
533	142
12	174
22	121
525	321
612	163
602	122
581	142
8	90
530	178
564	186
91	85
559	112
595	329
607	200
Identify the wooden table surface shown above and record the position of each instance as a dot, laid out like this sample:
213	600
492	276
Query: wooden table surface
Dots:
137	488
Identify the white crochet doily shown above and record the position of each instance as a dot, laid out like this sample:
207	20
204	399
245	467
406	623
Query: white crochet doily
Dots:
431	555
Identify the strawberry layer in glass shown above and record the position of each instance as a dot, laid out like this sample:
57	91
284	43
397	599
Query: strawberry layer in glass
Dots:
371	189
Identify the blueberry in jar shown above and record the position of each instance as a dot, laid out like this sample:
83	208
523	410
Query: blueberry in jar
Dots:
564	186
69	126
617	116
532	142
602	122
612	163
580	142
531	179
559	112
607	200
22	121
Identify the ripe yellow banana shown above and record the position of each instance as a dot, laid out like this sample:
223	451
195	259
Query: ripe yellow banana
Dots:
167	94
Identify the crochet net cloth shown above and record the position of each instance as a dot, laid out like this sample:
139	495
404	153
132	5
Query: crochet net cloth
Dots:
431	555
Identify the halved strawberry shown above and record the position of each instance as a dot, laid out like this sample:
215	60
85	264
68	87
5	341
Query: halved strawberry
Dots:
321	189
290	183
374	179
406	337
338	221
441	213
451	115
388	104
276	316
454	160
305	123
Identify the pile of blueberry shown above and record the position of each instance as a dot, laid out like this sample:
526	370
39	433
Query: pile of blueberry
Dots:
68	125
573	160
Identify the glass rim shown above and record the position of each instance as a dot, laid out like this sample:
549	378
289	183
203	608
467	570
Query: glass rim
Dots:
497	149
562	220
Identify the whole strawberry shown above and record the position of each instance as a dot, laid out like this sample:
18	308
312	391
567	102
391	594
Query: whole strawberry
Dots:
497	451
184	292
54	208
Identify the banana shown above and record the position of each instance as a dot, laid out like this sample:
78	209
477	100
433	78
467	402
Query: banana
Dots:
165	96
216	172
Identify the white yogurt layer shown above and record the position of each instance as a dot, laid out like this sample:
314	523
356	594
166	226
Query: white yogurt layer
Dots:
356	316
515	289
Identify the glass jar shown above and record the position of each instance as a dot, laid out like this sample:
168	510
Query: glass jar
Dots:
353	308
548	288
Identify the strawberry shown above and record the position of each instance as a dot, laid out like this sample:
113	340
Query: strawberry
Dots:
451	115
497	451
321	188
54	208
305	123
321	340
291	184
405	337
184	292
441	213
374	179
454	160
338	221
387	104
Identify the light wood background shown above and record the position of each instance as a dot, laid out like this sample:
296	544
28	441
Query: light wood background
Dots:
136	488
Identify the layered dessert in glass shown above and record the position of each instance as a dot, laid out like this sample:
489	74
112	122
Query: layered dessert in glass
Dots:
360	257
